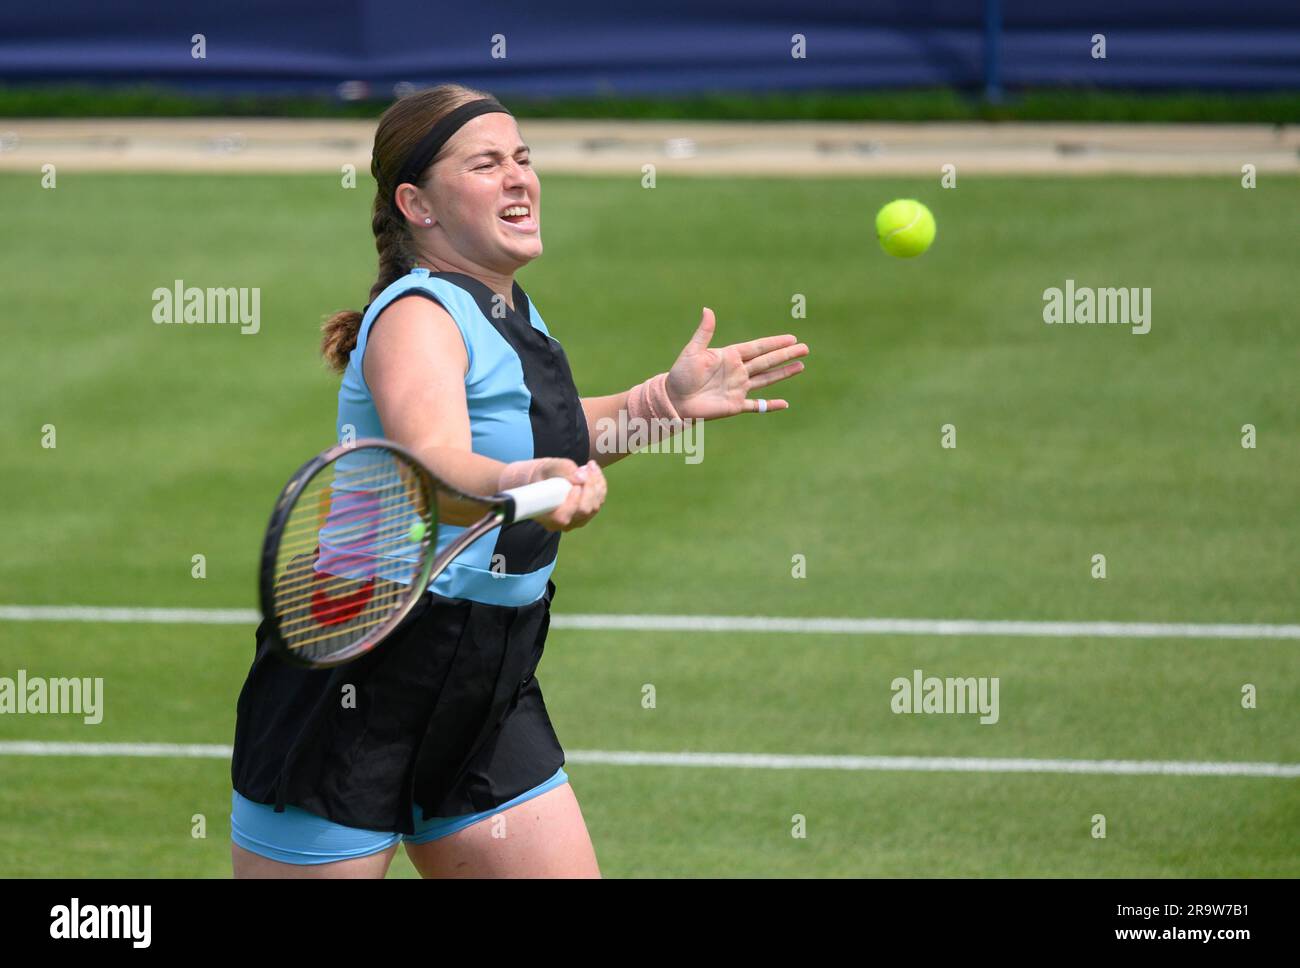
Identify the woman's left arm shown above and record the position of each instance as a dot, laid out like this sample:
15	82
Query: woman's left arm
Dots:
603	412
703	384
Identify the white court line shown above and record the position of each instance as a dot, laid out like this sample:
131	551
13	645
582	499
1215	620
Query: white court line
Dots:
924	626
135	616
753	761
714	623
187	751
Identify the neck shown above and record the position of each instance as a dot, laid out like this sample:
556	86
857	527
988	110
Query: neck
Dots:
502	285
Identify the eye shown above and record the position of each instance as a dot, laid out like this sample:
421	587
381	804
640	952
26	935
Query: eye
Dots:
485	165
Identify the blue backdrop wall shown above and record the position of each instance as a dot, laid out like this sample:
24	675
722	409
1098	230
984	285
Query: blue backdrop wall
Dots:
664	46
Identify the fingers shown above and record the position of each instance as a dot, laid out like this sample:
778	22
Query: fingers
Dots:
704	332
767	361
764	406
592	497
583	501
755	351
564	514
757	347
772	376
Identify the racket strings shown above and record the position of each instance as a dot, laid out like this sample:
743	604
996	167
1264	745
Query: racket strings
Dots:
344	565
375	543
354	511
337	616
356	516
300	635
362	539
312	578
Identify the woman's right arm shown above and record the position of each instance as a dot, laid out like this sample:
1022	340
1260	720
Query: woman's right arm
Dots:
415	365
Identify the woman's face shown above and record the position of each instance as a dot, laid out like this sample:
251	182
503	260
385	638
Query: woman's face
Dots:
484	174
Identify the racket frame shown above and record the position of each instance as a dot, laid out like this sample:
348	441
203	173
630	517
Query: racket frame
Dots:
501	509
280	516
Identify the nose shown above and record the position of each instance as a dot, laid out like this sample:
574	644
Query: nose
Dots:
515	173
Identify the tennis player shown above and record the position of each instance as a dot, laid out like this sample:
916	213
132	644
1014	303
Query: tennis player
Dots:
439	738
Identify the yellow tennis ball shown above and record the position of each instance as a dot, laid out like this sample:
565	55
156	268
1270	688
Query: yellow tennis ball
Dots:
417	532
905	228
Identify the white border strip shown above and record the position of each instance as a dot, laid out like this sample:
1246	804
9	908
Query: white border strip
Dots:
713	623
752	761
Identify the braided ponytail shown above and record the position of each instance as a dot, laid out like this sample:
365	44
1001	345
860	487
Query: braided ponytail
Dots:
392	240
405	122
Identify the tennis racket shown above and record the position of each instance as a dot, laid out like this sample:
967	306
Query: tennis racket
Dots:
352	545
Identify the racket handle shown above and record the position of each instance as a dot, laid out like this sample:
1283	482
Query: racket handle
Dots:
534	500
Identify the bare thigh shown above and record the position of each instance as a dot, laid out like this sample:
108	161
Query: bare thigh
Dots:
541	837
249	864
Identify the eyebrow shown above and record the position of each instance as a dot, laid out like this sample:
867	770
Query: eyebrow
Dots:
493	153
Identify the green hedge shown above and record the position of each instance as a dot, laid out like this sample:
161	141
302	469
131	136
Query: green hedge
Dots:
1281	107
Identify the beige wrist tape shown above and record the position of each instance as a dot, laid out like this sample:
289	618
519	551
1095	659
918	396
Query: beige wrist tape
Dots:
649	400
518	473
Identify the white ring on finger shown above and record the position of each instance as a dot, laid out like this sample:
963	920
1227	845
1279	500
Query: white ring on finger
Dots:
762	406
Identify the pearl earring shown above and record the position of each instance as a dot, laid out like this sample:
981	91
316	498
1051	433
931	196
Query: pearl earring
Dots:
428	221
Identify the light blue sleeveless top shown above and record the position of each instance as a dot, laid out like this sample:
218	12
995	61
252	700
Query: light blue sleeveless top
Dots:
507	423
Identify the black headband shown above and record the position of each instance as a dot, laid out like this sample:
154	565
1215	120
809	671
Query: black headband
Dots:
429	146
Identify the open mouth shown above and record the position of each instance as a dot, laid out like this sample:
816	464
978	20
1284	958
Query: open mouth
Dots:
519	217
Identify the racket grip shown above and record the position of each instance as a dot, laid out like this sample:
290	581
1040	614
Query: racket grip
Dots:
534	500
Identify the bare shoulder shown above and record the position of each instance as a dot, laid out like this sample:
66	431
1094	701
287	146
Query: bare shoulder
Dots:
414	331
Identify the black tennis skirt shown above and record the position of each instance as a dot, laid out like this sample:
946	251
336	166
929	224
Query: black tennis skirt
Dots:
446	713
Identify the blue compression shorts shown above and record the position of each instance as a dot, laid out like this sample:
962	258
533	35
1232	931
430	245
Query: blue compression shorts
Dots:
299	837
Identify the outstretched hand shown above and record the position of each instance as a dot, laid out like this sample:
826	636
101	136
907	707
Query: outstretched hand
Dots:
709	383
